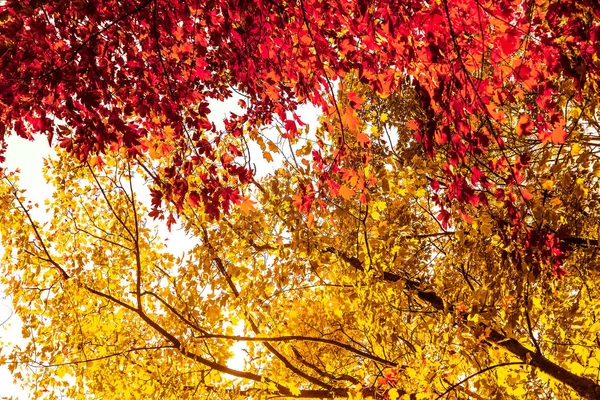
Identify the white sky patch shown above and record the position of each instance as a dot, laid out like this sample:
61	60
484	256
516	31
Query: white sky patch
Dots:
28	157
238	349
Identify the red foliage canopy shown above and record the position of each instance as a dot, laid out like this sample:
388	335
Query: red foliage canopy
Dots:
93	74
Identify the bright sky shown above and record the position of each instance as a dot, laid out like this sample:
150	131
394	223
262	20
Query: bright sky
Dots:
28	157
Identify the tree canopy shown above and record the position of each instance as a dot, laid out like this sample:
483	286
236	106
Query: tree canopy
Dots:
434	236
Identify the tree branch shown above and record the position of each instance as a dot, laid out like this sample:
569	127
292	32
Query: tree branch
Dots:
451	388
585	387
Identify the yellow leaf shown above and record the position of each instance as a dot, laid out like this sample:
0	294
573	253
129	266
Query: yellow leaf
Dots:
295	391
168	130
595	328
548	185
555	201
393	394
272	147
421	192
61	371
577	368
380	205
597	169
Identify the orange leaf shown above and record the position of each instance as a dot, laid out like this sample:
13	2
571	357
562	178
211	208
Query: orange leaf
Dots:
412	125
558	136
363	139
355	101
345	192
247	205
350	120
525	193
267	156
524	125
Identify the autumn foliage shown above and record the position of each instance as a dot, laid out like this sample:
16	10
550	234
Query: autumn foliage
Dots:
434	236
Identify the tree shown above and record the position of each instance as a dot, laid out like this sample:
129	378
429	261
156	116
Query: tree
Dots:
348	299
139	74
435	237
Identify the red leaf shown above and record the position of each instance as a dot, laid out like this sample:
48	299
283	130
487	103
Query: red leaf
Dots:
193	198
291	128
444	218
355	101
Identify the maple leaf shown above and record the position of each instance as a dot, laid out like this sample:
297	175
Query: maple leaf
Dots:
444	217
363	139
247	205
267	156
345	192
525	193
292	130
193	198
355	101
350	120
558	135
